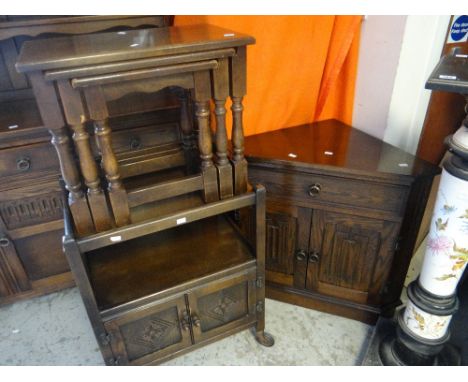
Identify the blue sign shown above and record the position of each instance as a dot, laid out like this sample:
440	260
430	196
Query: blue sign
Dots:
459	30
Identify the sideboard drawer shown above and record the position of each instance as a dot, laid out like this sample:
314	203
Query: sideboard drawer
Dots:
313	188
28	160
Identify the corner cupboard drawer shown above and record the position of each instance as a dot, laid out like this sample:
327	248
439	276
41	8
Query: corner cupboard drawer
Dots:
28	160
311	188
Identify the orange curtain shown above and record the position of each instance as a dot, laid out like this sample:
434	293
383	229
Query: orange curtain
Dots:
301	69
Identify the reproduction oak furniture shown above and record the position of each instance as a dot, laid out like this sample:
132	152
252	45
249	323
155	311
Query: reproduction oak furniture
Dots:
83	74
149	238
343	214
31	223
165	287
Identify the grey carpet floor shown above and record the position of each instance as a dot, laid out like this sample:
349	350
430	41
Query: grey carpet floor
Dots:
54	330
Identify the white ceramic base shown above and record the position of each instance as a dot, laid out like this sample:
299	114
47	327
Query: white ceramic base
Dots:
424	324
446	254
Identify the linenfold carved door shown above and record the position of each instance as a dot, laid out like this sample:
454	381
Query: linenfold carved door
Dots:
349	255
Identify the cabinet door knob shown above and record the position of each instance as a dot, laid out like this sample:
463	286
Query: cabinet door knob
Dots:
196	321
185	321
301	255
314	257
315	189
23	164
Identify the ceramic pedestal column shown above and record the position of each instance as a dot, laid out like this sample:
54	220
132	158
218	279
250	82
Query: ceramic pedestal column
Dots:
423	326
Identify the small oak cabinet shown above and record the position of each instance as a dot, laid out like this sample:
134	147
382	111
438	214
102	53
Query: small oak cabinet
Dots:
343	213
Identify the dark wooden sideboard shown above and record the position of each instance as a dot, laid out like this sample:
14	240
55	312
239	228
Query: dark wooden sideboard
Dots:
31	225
343	214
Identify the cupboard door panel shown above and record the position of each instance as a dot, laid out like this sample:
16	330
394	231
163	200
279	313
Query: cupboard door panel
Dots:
142	336
287	242
347	254
13	278
281	230
221	306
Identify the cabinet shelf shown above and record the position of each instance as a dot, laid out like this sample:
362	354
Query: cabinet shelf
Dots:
127	271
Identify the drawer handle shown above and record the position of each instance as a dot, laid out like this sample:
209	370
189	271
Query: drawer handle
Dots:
4	241
300	255
315	189
23	164
135	143
314	257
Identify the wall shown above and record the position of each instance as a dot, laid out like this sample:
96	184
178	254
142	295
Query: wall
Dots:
396	56
379	52
421	49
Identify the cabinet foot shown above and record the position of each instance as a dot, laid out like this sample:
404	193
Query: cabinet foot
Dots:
263	338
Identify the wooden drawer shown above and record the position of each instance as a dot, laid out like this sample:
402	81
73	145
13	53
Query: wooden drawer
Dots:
143	137
312	188
28	160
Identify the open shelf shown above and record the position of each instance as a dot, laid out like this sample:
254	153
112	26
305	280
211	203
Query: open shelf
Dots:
136	268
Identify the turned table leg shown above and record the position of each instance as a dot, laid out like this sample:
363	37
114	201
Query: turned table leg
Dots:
187	129
76	197
117	194
52	117
74	113
96	198
238	90
202	96
221	92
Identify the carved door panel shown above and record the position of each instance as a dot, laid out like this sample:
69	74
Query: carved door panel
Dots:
287	239
349	256
222	306
144	335
281	229
13	278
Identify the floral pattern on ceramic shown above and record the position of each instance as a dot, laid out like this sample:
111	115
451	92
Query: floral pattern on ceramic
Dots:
446	254
424	324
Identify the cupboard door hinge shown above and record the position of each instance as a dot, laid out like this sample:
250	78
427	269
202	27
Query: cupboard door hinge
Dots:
105	338
397	243
259	283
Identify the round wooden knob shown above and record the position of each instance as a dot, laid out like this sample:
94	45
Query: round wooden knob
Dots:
314	257
315	189
301	255
196	321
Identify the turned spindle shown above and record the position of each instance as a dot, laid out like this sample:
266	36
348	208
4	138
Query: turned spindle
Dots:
205	144
238	91
99	115
74	113
221	92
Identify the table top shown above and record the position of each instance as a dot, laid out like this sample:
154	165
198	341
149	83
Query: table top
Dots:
333	145
71	51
